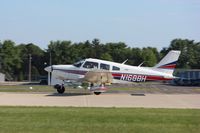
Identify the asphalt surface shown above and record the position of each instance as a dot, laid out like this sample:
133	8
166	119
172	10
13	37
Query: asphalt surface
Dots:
155	88
145	95
104	100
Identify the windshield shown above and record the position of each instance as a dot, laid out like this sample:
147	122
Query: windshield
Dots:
79	63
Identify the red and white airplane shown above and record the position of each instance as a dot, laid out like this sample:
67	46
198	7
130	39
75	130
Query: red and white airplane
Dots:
99	72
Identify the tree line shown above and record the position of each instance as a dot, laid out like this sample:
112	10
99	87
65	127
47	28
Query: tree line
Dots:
15	59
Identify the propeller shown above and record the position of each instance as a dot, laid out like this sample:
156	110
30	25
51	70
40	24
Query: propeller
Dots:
49	69
51	73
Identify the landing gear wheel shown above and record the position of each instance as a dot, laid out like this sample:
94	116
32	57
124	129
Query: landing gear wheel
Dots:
61	90
97	93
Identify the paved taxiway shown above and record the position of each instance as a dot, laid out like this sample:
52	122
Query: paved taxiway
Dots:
104	100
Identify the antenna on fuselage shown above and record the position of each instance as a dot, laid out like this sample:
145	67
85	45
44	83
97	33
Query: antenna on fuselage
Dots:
141	64
125	61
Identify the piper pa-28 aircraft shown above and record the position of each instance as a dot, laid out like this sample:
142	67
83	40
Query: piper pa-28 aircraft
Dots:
97	73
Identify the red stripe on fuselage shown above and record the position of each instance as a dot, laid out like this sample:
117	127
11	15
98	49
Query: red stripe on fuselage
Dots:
117	74
74	71
169	66
154	78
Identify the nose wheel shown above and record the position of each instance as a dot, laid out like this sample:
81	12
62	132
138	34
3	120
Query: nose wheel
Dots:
60	88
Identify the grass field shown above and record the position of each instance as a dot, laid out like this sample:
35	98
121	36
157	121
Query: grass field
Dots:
38	88
136	88
26	88
45	88
98	120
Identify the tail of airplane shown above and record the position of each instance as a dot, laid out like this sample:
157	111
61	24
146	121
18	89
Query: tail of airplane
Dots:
168	63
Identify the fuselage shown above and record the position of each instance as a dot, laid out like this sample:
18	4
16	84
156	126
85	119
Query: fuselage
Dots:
120	72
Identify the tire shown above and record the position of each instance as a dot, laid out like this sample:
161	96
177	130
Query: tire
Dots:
97	93
61	90
57	86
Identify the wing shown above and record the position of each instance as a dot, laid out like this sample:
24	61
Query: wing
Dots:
98	76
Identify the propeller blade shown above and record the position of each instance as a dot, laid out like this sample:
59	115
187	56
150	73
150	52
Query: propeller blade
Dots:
51	73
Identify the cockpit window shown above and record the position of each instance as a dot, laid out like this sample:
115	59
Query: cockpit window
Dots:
89	65
79	63
104	66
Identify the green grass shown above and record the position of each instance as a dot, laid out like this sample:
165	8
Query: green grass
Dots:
26	88
98	120
38	88
46	88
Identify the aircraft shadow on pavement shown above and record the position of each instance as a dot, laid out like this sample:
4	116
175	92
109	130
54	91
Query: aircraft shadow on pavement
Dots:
68	94
137	94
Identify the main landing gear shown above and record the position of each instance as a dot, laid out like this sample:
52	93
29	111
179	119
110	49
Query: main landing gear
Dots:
97	93
60	88
98	89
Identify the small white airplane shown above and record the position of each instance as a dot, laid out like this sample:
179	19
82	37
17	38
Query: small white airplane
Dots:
97	73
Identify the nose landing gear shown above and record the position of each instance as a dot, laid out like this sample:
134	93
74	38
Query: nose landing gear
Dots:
60	88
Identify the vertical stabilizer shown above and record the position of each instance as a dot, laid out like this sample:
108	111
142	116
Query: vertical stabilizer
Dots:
168	63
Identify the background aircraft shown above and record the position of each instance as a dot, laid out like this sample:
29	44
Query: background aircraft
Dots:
97	73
